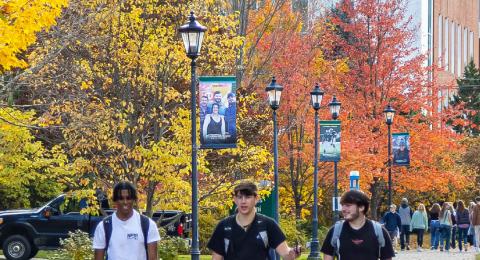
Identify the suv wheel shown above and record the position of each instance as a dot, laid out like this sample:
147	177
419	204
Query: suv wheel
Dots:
17	247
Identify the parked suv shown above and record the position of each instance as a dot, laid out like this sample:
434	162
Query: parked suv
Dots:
24	232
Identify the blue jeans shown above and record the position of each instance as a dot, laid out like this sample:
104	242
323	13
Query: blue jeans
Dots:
462	237
404	236
434	233
445	234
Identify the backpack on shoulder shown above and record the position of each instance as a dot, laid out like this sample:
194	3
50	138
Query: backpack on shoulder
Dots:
337	231
107	227
227	232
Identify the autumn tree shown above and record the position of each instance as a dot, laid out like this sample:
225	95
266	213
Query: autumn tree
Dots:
383	70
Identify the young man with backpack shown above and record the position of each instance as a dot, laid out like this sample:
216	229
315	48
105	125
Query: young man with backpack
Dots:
356	237
246	234
126	234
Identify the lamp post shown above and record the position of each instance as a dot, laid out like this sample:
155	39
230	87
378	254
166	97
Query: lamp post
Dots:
334	106
316	100
274	92
389	114
192	35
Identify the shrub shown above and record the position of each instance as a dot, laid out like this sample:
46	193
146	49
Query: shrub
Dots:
78	246
169	247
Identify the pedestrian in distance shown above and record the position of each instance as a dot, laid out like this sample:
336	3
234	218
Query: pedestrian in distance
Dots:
445	218
126	234
476	222
247	234
392	223
356	237
434	226
471	229
454	224
463	223
419	224
405	213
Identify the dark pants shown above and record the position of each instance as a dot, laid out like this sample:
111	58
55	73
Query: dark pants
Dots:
462	237
454	236
419	233
445	235
404	236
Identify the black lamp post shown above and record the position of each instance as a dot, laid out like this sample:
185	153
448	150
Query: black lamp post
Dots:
316	99
389	114
274	93
334	106
192	35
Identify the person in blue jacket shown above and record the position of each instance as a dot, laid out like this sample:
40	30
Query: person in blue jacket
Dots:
392	223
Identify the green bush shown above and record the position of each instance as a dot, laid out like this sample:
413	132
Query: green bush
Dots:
170	247
207	223
294	232
78	246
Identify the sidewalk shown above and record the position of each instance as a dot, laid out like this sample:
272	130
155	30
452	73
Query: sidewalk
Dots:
435	255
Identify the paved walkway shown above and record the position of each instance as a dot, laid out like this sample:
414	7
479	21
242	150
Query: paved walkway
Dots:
435	255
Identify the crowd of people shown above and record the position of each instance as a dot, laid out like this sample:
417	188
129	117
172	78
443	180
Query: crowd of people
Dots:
452	225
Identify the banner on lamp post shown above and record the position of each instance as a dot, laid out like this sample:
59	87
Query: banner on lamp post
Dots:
401	149
330	141
218	112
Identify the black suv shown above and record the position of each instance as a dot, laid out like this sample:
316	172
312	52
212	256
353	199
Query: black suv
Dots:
24	232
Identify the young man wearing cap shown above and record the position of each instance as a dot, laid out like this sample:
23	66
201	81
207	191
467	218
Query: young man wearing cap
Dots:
356	237
248	235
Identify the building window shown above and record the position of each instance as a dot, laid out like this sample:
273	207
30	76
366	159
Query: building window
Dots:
470	46
465	47
459	51
446	44
440	40
452	49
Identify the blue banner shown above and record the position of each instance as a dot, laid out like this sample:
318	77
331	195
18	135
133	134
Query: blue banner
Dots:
218	112
401	149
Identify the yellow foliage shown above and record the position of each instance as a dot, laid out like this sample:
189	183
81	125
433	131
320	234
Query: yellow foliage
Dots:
20	20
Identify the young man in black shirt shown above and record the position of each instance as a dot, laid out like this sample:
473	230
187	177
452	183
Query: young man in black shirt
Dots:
358	239
248	235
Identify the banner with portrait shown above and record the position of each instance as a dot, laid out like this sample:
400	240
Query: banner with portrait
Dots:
330	141
218	112
401	149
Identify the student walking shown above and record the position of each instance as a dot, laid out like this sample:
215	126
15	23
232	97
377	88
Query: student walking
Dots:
471	229
434	226
356	237
419	224
463	223
476	222
126	234
392	223
405	213
445	217
248	235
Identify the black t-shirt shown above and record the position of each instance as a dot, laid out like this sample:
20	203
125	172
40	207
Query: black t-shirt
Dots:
246	244
361	244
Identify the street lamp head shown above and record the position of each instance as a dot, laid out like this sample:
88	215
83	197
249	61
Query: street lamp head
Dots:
389	114
192	35
335	107
316	97
274	92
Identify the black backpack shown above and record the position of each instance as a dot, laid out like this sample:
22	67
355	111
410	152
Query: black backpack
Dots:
107	226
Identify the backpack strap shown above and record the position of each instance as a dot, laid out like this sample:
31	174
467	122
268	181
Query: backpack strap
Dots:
107	227
377	227
145	222
227	232
337	231
262	229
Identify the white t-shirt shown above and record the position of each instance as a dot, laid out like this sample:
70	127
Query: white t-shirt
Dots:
126	242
